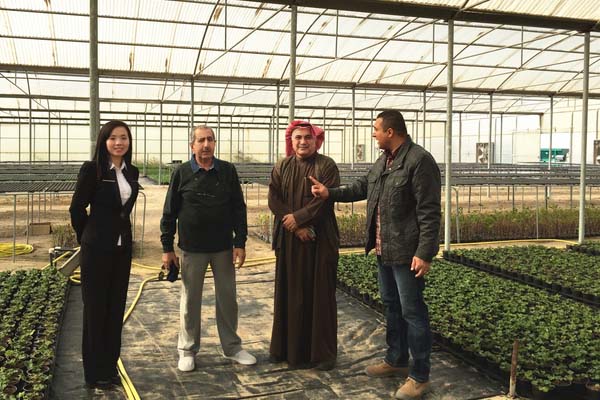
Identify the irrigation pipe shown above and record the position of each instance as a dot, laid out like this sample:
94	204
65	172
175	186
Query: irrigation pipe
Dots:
128	386
6	249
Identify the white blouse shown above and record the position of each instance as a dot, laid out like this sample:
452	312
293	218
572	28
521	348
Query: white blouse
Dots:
124	187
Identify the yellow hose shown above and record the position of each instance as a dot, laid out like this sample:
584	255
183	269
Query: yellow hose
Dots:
130	391
6	249
128	386
251	262
63	255
75	278
135	264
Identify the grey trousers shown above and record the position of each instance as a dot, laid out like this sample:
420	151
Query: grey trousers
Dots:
193	270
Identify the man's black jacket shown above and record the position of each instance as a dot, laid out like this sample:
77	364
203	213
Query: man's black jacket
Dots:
207	207
408	195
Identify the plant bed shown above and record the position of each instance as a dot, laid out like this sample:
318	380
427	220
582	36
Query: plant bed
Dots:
571	274
351	228
34	309
357	277
482	314
588	247
553	222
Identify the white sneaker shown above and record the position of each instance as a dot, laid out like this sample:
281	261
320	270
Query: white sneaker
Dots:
186	363
243	357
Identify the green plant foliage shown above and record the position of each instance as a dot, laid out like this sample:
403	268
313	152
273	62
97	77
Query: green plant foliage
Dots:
359	272
483	314
64	236
152	173
593	244
580	272
351	227
589	247
31	304
553	222
264	227
476	227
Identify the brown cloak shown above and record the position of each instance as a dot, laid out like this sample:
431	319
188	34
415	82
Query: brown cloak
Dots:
305	311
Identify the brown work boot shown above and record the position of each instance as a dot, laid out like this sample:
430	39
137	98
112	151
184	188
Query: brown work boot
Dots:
384	369
412	390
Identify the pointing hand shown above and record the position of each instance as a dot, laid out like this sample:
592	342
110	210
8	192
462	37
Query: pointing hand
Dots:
318	189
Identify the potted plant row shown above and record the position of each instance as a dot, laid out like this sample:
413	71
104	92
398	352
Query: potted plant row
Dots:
553	222
590	247
351	228
33	303
480	315
571	274
356	277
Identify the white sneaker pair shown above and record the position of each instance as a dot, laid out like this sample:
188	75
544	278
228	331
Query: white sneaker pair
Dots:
187	363
243	357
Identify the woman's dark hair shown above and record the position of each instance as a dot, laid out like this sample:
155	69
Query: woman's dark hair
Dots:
101	156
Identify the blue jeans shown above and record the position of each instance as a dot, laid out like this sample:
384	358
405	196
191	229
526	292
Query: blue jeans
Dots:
407	319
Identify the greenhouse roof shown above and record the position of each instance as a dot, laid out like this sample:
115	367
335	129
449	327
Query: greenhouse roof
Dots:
384	53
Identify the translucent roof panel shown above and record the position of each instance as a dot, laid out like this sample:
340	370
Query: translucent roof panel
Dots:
238	52
587	9
566	9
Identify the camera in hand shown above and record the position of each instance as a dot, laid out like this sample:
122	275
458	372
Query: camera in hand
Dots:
170	273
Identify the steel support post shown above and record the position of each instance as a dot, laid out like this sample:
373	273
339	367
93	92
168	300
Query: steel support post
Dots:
277	124
15	228
550	145
191	105
19	144
59	140
424	118
94	77
353	149
501	133
490	152
325	145
49	136
145	155
218	131
160	145
293	33
448	147
460	137
30	133
551	132
584	127
270	139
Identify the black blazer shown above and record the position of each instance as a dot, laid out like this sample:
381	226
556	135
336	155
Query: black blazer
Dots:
108	218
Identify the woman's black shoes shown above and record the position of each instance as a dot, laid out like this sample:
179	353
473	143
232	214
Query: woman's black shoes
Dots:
116	380
101	384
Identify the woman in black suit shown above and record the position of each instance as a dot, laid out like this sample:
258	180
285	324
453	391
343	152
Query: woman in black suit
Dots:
109	184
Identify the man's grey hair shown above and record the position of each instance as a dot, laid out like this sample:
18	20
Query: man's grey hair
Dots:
202	127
